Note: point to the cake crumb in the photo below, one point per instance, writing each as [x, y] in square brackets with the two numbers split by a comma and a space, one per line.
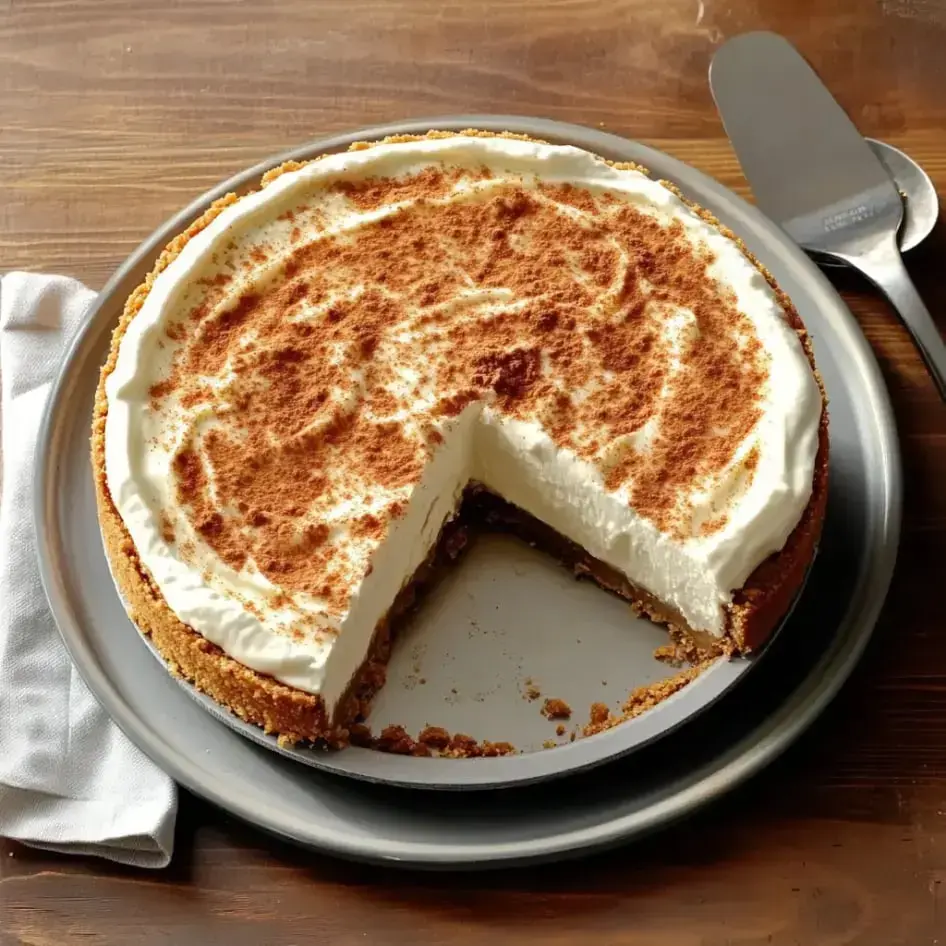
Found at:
[549, 744]
[599, 714]
[396, 740]
[560, 729]
[490, 749]
[554, 708]
[434, 736]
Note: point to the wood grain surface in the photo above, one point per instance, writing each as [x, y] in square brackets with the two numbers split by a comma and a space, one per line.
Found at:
[114, 114]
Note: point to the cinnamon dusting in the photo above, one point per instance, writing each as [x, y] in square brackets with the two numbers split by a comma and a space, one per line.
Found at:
[513, 298]
[555, 708]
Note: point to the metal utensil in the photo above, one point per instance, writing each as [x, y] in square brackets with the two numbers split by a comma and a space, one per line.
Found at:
[813, 173]
[920, 201]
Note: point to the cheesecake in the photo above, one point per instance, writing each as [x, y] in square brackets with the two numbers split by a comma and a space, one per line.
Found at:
[323, 381]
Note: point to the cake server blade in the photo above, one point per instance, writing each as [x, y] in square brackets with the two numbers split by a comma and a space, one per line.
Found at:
[813, 173]
[809, 167]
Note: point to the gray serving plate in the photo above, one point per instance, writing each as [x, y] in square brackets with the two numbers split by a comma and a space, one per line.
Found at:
[663, 779]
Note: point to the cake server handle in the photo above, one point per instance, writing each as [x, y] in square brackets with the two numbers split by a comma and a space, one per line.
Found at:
[883, 266]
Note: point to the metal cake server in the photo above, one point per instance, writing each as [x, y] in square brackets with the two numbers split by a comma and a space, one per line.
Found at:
[813, 173]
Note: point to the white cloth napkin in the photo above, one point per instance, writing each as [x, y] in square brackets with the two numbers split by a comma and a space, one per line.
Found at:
[69, 779]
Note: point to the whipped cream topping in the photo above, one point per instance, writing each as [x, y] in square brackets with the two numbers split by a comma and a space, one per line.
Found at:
[309, 386]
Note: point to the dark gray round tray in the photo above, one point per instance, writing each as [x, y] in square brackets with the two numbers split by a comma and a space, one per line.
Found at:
[726, 741]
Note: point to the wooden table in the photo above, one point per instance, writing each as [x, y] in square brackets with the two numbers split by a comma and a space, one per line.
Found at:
[113, 114]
